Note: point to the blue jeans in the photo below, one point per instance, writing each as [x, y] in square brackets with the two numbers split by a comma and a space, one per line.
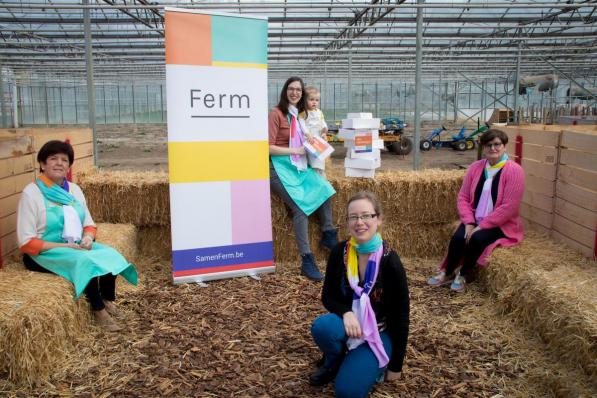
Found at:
[359, 369]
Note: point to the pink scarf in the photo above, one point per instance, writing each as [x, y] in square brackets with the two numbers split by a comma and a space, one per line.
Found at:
[361, 304]
[296, 139]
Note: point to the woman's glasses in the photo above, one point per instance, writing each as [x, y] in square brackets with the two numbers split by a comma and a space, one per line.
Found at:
[495, 145]
[365, 217]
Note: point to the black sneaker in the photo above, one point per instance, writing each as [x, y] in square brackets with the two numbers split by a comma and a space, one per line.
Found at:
[309, 267]
[329, 239]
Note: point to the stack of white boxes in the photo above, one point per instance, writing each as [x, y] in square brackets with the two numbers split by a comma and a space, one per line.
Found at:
[361, 162]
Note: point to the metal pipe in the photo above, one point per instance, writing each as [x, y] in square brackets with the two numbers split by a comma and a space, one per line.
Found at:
[3, 111]
[247, 7]
[349, 88]
[15, 106]
[419, 61]
[517, 84]
[90, 82]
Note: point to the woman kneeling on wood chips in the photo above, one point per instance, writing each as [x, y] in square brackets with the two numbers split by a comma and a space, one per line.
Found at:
[365, 289]
[56, 234]
[488, 204]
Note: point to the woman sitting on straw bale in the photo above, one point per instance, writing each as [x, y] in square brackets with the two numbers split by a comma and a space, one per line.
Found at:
[293, 180]
[488, 204]
[366, 292]
[56, 234]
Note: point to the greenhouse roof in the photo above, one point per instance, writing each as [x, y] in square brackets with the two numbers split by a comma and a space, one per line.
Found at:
[45, 39]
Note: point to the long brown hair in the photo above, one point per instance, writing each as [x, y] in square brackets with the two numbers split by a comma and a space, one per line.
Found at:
[283, 103]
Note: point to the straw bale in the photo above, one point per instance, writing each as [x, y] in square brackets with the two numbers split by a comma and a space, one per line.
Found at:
[127, 197]
[553, 291]
[155, 241]
[142, 199]
[122, 237]
[39, 323]
[427, 196]
[419, 208]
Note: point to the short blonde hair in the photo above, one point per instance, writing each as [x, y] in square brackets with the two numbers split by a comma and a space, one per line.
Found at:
[311, 90]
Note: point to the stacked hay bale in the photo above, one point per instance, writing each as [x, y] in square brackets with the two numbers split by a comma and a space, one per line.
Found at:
[141, 199]
[552, 291]
[40, 323]
[419, 209]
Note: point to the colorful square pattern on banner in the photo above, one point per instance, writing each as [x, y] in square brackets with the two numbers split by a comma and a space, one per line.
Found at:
[216, 75]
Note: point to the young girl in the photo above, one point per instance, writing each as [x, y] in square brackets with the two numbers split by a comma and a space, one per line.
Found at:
[314, 124]
[366, 292]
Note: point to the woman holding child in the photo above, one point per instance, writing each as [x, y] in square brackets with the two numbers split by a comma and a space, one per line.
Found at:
[365, 290]
[488, 205]
[56, 234]
[293, 180]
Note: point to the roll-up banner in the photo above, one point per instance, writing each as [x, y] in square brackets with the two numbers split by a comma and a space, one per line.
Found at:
[216, 77]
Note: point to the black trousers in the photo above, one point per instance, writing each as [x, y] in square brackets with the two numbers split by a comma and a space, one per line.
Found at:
[97, 290]
[469, 252]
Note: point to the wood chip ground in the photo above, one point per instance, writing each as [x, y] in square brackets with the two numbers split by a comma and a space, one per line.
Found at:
[247, 338]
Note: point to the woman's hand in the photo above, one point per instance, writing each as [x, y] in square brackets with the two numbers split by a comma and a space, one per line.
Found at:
[70, 246]
[351, 325]
[298, 151]
[86, 242]
[391, 376]
[309, 138]
[467, 235]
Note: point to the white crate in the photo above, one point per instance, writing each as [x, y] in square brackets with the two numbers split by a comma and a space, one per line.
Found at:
[364, 115]
[362, 163]
[360, 123]
[350, 172]
[348, 134]
[374, 154]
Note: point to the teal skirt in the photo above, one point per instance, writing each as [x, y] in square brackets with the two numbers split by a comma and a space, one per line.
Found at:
[80, 266]
[307, 188]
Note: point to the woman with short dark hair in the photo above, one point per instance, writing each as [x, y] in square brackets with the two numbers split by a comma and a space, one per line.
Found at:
[56, 234]
[293, 180]
[488, 205]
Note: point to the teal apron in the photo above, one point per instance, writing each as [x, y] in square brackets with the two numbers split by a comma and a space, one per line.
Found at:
[307, 188]
[79, 266]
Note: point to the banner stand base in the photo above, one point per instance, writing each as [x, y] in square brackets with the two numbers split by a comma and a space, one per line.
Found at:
[201, 279]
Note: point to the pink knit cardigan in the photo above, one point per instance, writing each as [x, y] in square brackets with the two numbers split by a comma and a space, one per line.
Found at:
[505, 211]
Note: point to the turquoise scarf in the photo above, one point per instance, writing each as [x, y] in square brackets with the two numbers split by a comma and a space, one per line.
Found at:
[55, 193]
[370, 246]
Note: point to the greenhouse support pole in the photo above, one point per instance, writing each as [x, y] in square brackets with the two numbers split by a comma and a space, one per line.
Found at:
[3, 111]
[517, 84]
[90, 80]
[349, 89]
[419, 61]
[439, 97]
[482, 99]
[15, 106]
[47, 107]
[455, 102]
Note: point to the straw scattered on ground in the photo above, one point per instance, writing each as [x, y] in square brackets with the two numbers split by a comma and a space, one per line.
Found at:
[242, 337]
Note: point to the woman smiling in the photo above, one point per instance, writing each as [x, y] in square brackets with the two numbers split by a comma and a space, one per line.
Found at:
[56, 234]
[488, 205]
[364, 336]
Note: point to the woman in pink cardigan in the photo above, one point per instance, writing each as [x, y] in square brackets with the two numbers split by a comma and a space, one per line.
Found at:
[488, 204]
